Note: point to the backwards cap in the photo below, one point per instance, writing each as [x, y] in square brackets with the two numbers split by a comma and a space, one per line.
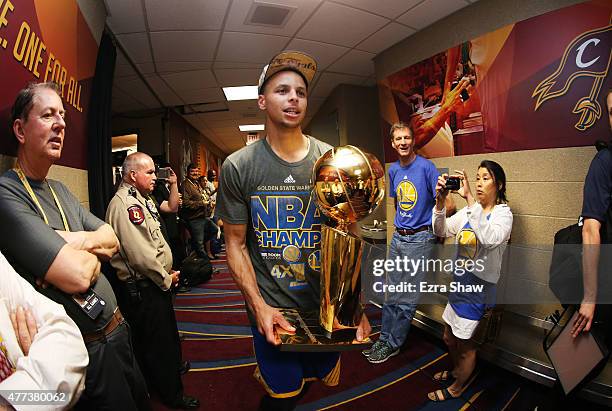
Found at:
[289, 60]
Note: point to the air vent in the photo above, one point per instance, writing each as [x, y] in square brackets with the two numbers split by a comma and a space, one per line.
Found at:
[269, 15]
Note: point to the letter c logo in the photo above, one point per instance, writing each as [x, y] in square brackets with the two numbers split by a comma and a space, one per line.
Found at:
[580, 51]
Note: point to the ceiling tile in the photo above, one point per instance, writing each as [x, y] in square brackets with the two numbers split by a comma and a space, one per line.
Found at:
[237, 65]
[174, 66]
[125, 16]
[385, 38]
[355, 62]
[214, 123]
[137, 46]
[370, 81]
[429, 12]
[123, 102]
[324, 54]
[146, 68]
[237, 77]
[387, 8]
[167, 95]
[210, 108]
[139, 91]
[219, 115]
[203, 95]
[189, 15]
[253, 48]
[184, 45]
[329, 81]
[124, 70]
[240, 10]
[188, 80]
[325, 25]
[239, 108]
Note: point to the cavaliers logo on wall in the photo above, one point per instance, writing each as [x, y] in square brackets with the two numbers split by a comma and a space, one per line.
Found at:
[588, 55]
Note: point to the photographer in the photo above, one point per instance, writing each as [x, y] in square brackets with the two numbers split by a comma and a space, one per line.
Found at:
[167, 196]
[481, 231]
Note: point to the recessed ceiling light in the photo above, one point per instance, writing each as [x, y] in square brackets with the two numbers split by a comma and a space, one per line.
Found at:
[251, 127]
[241, 93]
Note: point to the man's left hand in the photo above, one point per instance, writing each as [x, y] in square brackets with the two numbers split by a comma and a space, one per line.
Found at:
[364, 329]
[584, 319]
[25, 328]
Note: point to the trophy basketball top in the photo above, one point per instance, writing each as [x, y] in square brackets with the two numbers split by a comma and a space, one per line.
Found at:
[348, 184]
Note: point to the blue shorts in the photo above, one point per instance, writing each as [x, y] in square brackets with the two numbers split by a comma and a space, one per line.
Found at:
[283, 374]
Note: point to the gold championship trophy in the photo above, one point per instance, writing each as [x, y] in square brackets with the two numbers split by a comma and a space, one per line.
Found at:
[348, 185]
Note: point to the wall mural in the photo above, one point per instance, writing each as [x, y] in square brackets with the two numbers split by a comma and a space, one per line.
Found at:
[539, 83]
[43, 40]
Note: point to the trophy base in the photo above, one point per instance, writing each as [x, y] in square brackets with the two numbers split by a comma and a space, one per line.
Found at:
[309, 336]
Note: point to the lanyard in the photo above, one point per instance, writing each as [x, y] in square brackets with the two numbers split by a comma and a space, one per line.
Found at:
[28, 188]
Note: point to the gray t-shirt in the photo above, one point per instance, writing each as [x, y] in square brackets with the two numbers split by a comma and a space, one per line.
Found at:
[273, 198]
[31, 246]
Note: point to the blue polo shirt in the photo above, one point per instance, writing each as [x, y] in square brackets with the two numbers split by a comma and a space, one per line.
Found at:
[414, 188]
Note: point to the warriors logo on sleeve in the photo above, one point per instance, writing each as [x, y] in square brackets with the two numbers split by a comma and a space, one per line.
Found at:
[136, 214]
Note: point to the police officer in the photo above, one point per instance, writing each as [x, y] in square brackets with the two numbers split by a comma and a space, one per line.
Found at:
[144, 265]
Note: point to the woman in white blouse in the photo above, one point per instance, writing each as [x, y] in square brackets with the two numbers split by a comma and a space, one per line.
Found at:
[481, 231]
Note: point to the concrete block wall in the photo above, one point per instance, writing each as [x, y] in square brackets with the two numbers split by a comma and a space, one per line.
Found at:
[544, 189]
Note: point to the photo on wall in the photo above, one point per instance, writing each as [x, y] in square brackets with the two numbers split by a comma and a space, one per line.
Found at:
[538, 83]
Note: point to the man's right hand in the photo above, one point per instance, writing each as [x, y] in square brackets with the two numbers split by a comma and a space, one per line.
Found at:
[267, 318]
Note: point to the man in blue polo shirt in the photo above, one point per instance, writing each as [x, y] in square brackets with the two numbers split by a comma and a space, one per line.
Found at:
[412, 180]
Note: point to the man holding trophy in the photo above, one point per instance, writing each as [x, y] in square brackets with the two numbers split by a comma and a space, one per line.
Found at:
[273, 232]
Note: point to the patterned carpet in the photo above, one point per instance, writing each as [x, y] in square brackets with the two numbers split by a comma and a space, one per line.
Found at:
[219, 345]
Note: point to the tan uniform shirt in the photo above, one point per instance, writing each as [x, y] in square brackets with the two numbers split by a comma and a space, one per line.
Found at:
[135, 220]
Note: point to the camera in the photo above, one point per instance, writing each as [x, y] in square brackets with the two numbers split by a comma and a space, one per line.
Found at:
[464, 94]
[453, 183]
[164, 173]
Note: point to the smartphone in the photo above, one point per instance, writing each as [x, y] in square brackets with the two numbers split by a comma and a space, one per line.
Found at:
[164, 173]
[453, 183]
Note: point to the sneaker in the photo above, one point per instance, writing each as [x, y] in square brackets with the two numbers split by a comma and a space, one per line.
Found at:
[372, 348]
[382, 354]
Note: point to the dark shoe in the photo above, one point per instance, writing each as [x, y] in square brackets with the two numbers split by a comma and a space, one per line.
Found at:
[185, 367]
[374, 347]
[187, 403]
[382, 354]
[183, 289]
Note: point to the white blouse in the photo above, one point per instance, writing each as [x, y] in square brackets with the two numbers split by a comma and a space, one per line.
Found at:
[492, 234]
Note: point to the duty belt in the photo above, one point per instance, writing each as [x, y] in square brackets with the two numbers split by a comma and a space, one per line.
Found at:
[101, 334]
[403, 231]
